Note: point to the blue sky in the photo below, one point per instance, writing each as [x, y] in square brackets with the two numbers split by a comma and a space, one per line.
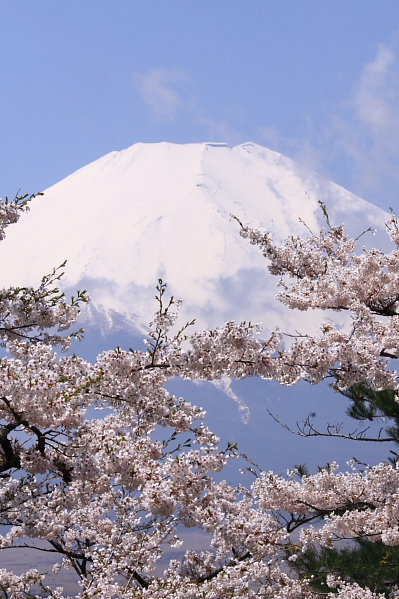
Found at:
[315, 79]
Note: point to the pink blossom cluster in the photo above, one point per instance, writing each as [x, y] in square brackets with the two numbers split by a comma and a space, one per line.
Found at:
[324, 271]
[354, 503]
[11, 211]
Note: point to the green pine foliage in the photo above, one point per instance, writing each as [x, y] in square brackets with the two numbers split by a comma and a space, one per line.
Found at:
[368, 404]
[371, 565]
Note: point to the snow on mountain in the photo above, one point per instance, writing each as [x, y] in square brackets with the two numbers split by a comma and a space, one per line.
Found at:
[163, 210]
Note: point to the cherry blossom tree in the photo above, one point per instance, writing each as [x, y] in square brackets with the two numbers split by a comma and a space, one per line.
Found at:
[328, 274]
[105, 497]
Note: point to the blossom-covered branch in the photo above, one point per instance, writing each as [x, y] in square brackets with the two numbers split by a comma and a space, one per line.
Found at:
[324, 271]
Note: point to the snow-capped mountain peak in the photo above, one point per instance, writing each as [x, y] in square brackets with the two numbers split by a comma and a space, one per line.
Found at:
[163, 211]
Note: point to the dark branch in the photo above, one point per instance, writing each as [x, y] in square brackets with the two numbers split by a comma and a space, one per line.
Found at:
[307, 430]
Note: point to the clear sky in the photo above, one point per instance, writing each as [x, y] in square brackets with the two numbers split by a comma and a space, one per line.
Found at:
[315, 79]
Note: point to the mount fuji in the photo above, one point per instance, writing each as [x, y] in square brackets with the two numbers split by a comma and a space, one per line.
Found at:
[163, 211]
